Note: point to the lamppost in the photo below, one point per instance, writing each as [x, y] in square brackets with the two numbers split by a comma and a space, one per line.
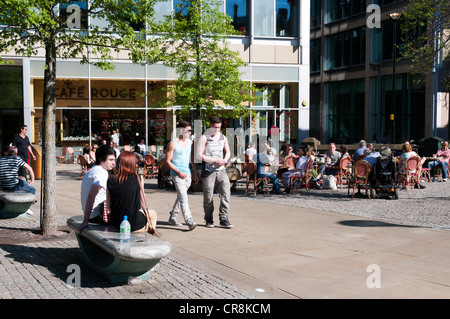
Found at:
[394, 17]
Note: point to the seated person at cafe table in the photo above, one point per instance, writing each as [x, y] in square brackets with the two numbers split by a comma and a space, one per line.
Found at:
[370, 155]
[300, 167]
[287, 159]
[442, 156]
[360, 151]
[344, 151]
[262, 160]
[408, 153]
[332, 158]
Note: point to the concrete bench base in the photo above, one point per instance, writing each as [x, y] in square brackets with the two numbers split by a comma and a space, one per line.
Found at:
[116, 261]
[15, 204]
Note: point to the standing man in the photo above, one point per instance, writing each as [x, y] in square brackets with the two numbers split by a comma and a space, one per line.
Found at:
[93, 186]
[178, 156]
[214, 152]
[23, 145]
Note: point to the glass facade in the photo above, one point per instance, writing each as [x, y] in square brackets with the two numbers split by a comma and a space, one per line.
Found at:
[239, 11]
[283, 24]
[316, 8]
[382, 41]
[340, 9]
[383, 2]
[409, 113]
[314, 51]
[286, 18]
[345, 49]
[279, 108]
[344, 111]
[93, 109]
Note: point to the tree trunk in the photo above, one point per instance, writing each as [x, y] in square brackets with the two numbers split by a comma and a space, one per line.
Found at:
[48, 223]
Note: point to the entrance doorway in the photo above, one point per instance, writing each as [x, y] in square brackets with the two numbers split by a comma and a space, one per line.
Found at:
[10, 120]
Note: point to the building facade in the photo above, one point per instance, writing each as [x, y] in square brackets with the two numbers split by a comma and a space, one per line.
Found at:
[91, 103]
[352, 73]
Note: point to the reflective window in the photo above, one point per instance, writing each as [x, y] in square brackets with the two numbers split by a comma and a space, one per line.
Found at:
[315, 13]
[315, 55]
[287, 18]
[239, 11]
[131, 125]
[345, 49]
[263, 12]
[340, 9]
[345, 111]
[162, 8]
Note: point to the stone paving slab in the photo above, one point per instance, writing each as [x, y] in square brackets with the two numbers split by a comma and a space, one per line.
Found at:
[42, 270]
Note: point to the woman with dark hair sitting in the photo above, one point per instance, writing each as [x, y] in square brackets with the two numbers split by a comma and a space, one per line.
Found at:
[125, 196]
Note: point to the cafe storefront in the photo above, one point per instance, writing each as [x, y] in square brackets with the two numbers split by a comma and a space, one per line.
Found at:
[91, 108]
[88, 111]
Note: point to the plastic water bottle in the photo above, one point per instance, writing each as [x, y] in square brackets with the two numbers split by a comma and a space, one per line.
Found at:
[125, 230]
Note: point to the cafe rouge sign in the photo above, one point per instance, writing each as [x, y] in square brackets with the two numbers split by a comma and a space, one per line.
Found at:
[102, 93]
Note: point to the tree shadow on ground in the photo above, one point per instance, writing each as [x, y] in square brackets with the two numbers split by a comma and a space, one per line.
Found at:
[57, 261]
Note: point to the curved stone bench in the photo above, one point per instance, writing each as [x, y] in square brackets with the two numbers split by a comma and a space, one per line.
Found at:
[116, 261]
[15, 204]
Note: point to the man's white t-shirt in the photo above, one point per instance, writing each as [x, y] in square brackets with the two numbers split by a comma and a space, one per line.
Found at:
[97, 175]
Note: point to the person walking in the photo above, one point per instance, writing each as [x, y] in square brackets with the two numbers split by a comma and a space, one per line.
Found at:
[178, 156]
[213, 151]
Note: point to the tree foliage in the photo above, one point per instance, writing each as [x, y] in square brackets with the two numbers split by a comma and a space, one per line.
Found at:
[31, 25]
[426, 33]
[194, 43]
[60, 29]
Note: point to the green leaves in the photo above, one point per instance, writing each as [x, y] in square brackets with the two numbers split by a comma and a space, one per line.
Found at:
[194, 43]
[423, 30]
[115, 25]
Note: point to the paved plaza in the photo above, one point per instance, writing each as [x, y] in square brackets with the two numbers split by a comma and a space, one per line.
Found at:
[317, 245]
